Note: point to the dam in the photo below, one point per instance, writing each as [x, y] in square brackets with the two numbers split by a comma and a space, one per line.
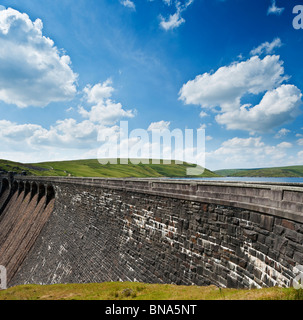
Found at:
[186, 232]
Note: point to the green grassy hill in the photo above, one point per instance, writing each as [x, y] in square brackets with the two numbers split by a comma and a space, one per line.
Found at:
[92, 168]
[291, 171]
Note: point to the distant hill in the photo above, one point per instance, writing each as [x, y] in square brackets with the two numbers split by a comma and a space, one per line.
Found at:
[92, 168]
[291, 171]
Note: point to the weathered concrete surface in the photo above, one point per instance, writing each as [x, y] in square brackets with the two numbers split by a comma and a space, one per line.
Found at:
[167, 231]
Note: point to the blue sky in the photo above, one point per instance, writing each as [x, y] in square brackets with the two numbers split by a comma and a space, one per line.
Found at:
[70, 69]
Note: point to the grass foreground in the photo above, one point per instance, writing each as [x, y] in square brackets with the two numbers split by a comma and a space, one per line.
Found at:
[141, 291]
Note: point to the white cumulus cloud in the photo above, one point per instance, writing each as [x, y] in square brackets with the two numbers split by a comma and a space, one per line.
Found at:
[33, 72]
[284, 145]
[104, 111]
[274, 9]
[99, 92]
[128, 3]
[203, 114]
[300, 142]
[161, 125]
[229, 84]
[65, 138]
[276, 107]
[175, 20]
[246, 153]
[282, 133]
[267, 47]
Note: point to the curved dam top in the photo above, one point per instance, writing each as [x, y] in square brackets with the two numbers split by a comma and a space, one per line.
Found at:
[281, 199]
[231, 234]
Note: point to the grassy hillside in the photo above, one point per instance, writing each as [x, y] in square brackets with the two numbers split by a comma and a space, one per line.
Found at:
[141, 291]
[229, 172]
[92, 168]
[292, 171]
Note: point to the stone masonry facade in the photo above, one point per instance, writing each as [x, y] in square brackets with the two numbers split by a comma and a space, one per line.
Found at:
[98, 234]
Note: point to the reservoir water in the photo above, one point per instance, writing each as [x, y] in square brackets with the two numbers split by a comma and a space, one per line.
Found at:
[250, 179]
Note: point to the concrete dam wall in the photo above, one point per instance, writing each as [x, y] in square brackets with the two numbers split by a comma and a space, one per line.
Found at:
[80, 230]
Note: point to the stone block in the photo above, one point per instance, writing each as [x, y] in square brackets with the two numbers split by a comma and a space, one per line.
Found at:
[291, 235]
[255, 217]
[267, 222]
[298, 257]
[288, 224]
